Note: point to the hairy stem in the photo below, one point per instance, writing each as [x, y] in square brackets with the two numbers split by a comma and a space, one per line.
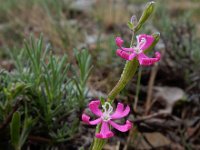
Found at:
[127, 74]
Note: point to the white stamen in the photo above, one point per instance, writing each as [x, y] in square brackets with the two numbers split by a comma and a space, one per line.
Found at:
[143, 40]
[137, 48]
[107, 110]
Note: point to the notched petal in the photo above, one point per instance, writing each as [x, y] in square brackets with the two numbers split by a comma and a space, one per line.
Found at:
[122, 128]
[105, 131]
[146, 61]
[94, 107]
[144, 41]
[125, 55]
[86, 119]
[120, 111]
[104, 136]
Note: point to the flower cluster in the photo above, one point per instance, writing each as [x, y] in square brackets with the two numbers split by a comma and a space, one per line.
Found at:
[143, 43]
[106, 118]
[106, 115]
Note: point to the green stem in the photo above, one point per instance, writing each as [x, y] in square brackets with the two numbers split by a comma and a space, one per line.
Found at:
[98, 144]
[127, 74]
[17, 147]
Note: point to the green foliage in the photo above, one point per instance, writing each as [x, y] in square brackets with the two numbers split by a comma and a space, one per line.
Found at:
[186, 51]
[181, 45]
[84, 63]
[42, 94]
[15, 129]
[4, 79]
[26, 128]
[18, 139]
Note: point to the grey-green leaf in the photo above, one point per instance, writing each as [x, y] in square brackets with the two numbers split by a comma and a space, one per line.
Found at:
[15, 129]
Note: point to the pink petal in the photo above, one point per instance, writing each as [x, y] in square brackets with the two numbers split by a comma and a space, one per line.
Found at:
[157, 54]
[128, 49]
[120, 111]
[105, 131]
[125, 55]
[146, 61]
[86, 119]
[122, 128]
[148, 41]
[119, 42]
[94, 107]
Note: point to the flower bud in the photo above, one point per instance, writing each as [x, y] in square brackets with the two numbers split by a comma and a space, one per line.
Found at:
[133, 22]
[145, 15]
[133, 19]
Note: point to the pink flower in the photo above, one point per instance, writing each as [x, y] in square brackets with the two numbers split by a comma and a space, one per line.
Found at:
[106, 118]
[143, 42]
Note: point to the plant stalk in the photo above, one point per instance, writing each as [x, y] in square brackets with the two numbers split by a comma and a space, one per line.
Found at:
[137, 88]
[127, 74]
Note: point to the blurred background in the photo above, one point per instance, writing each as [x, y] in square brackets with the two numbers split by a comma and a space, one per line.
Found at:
[170, 87]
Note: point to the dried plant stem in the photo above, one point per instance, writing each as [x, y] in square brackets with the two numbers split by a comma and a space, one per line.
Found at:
[150, 88]
[137, 88]
[39, 139]
[130, 138]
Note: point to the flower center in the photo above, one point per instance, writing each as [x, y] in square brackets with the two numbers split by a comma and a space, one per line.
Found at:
[107, 110]
[140, 44]
[137, 50]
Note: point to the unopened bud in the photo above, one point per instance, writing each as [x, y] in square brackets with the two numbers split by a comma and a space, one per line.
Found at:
[145, 15]
[133, 22]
